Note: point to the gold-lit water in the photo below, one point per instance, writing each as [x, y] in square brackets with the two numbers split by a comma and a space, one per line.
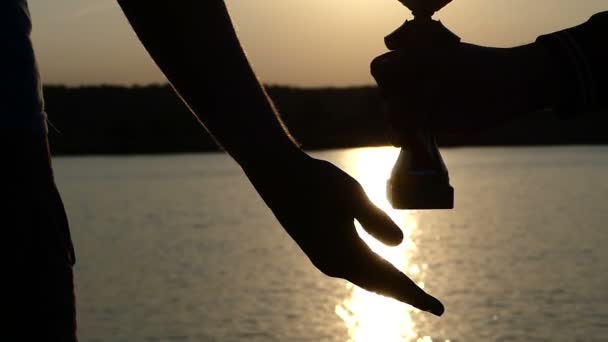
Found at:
[181, 247]
[368, 316]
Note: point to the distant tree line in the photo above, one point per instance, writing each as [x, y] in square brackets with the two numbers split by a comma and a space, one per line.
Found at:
[152, 119]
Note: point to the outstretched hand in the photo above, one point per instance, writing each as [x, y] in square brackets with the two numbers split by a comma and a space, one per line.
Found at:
[317, 204]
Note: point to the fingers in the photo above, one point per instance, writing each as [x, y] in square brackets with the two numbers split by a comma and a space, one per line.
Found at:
[375, 274]
[378, 224]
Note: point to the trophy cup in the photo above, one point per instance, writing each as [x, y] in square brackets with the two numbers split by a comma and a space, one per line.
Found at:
[419, 179]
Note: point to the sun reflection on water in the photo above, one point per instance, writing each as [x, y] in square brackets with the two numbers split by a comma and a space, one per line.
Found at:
[367, 316]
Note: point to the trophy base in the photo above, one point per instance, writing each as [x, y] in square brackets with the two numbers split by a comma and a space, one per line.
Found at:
[420, 192]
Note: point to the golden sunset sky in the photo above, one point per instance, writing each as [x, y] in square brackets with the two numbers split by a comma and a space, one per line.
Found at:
[293, 42]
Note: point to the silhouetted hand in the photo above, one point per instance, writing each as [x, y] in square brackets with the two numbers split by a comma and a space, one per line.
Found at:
[463, 87]
[317, 204]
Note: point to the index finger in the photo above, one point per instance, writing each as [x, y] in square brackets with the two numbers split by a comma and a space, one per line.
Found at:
[375, 274]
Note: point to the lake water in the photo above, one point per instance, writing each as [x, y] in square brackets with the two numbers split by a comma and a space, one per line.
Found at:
[180, 248]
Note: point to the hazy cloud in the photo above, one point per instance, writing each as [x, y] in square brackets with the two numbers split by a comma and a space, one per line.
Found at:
[96, 9]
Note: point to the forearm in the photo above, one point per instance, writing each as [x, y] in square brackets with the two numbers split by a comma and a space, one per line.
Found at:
[577, 57]
[564, 71]
[194, 44]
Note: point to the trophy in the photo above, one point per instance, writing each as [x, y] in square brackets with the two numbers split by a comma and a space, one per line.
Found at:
[419, 179]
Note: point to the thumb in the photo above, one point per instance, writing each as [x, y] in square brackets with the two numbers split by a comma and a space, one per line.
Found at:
[378, 224]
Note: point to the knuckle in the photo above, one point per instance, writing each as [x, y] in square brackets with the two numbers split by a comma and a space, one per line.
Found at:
[381, 66]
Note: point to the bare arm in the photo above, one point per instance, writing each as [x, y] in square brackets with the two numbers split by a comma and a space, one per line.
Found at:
[195, 45]
[469, 86]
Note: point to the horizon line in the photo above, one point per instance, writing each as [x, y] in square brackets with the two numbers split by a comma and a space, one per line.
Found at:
[167, 84]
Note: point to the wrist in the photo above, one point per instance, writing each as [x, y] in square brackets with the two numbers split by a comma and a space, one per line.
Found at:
[273, 158]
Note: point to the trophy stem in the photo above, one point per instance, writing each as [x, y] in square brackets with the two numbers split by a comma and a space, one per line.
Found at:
[420, 178]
